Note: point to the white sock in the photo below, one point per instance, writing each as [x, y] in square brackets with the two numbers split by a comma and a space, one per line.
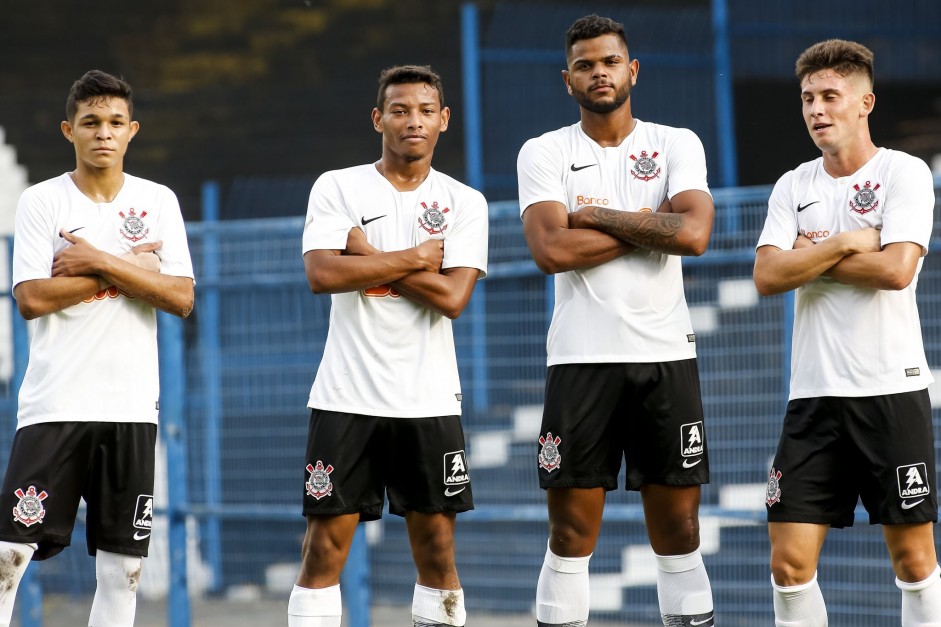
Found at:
[115, 602]
[683, 590]
[437, 607]
[799, 606]
[562, 591]
[921, 601]
[315, 607]
[14, 558]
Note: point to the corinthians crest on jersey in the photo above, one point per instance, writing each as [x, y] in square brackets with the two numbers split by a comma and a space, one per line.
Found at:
[865, 199]
[434, 219]
[133, 228]
[29, 509]
[319, 484]
[645, 166]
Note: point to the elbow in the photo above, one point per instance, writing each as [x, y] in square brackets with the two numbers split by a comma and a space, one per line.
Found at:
[453, 312]
[548, 263]
[899, 281]
[317, 283]
[697, 243]
[764, 286]
[26, 311]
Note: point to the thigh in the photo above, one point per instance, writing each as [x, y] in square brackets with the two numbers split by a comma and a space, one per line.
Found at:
[665, 439]
[426, 466]
[120, 488]
[895, 441]
[341, 472]
[812, 477]
[43, 485]
[579, 441]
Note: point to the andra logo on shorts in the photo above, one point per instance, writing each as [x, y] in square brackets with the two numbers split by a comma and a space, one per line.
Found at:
[691, 443]
[143, 516]
[455, 472]
[913, 484]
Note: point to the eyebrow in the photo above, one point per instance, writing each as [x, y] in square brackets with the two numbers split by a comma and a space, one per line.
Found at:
[95, 116]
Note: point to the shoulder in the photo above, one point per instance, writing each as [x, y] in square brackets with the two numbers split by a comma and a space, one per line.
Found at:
[899, 161]
[551, 141]
[49, 188]
[458, 190]
[145, 187]
[356, 173]
[668, 134]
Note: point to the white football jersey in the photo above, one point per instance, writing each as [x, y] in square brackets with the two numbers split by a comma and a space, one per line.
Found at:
[855, 341]
[630, 309]
[386, 355]
[97, 360]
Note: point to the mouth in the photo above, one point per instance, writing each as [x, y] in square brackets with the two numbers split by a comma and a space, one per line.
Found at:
[601, 86]
[819, 126]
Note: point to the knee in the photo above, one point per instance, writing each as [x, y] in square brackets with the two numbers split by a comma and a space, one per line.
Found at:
[677, 535]
[434, 550]
[914, 564]
[569, 539]
[788, 569]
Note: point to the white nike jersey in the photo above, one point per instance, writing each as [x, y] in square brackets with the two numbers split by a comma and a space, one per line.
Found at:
[97, 360]
[854, 341]
[385, 354]
[630, 309]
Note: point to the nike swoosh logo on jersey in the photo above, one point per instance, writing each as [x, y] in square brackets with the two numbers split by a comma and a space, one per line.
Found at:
[141, 536]
[799, 208]
[447, 491]
[365, 221]
[576, 168]
[686, 463]
[907, 505]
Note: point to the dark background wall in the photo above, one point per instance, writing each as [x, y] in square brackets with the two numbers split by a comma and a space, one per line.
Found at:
[226, 89]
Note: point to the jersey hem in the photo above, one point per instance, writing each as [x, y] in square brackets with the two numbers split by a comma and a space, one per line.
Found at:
[383, 413]
[857, 393]
[618, 359]
[28, 422]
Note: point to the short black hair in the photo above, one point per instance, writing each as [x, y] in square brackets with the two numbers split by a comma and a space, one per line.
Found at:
[843, 57]
[401, 74]
[97, 85]
[592, 26]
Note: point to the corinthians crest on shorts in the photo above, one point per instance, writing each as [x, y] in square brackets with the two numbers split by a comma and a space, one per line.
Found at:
[29, 509]
[865, 199]
[549, 456]
[133, 227]
[434, 219]
[645, 167]
[319, 484]
[773, 494]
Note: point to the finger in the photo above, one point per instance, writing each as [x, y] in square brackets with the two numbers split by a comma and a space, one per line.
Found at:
[68, 236]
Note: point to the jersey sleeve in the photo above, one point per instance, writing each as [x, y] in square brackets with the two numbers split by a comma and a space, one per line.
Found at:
[539, 174]
[174, 254]
[686, 164]
[34, 239]
[781, 228]
[908, 215]
[328, 222]
[465, 246]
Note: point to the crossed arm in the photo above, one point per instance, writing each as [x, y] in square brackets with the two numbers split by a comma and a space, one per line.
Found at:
[593, 235]
[414, 272]
[80, 271]
[852, 257]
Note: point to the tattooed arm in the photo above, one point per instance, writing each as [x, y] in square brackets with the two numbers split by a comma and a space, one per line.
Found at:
[680, 226]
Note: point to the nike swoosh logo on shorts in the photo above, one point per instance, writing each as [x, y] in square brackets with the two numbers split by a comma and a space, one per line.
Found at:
[141, 536]
[907, 505]
[686, 463]
[702, 622]
[447, 491]
[365, 221]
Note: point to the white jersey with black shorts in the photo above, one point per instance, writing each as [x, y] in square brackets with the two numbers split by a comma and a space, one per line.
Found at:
[88, 403]
[622, 323]
[387, 360]
[859, 375]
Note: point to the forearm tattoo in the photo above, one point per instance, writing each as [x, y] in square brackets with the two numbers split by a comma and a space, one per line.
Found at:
[652, 231]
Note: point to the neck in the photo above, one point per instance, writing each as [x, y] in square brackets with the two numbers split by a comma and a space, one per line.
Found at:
[844, 162]
[609, 129]
[98, 185]
[404, 175]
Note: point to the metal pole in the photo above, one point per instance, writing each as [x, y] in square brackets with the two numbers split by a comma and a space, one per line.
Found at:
[172, 390]
[470, 61]
[211, 372]
[725, 100]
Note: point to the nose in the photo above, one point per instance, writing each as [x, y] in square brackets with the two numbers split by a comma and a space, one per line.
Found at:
[816, 107]
[103, 131]
[414, 119]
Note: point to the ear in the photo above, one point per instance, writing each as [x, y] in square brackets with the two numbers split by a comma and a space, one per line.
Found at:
[566, 78]
[376, 119]
[868, 104]
[445, 116]
[134, 126]
[634, 68]
[66, 129]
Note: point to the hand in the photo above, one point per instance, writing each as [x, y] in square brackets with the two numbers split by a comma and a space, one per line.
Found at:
[581, 219]
[144, 256]
[358, 245]
[431, 254]
[868, 240]
[665, 207]
[79, 259]
[803, 241]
